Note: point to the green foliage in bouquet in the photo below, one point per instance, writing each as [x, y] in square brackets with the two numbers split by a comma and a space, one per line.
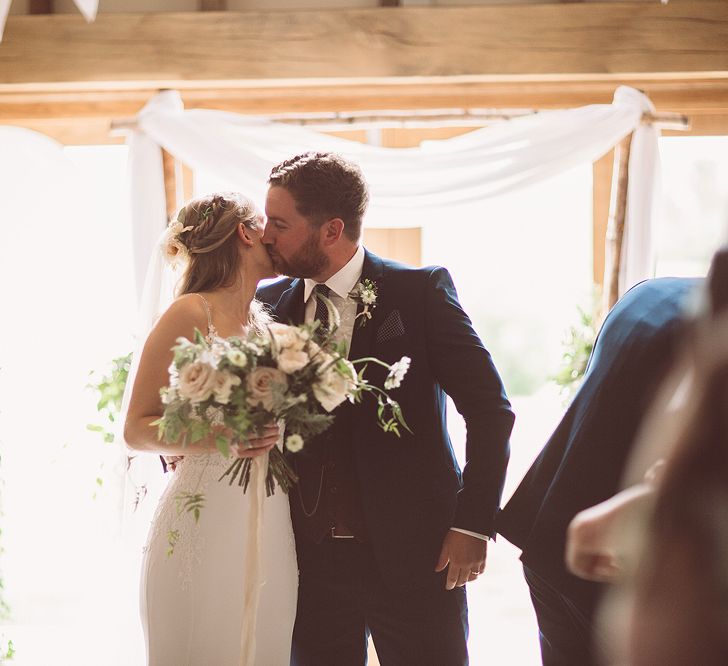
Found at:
[578, 345]
[232, 388]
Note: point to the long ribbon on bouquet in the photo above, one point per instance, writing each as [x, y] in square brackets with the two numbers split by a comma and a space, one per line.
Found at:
[253, 582]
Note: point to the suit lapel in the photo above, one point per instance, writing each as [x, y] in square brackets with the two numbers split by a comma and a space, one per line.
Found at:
[291, 307]
[362, 340]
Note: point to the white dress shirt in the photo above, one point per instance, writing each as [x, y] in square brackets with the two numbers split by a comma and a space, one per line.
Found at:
[341, 284]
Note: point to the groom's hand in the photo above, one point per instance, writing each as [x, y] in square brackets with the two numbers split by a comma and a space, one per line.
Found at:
[465, 556]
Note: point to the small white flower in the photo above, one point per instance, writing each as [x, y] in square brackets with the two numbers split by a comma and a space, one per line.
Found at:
[397, 371]
[209, 357]
[368, 297]
[294, 443]
[237, 358]
[173, 376]
[169, 395]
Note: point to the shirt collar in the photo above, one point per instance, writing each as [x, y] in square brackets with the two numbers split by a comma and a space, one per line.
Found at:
[343, 281]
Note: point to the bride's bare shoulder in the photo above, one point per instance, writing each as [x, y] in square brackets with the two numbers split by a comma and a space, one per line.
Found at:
[186, 312]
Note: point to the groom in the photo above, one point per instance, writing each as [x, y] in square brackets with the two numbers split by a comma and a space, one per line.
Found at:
[388, 530]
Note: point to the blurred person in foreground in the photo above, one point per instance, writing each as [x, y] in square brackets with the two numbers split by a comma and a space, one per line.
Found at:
[665, 537]
[583, 462]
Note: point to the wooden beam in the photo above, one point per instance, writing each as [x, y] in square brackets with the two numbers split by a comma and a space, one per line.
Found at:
[40, 7]
[705, 101]
[603, 40]
[213, 5]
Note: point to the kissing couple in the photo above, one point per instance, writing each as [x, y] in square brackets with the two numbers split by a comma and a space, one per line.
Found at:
[380, 535]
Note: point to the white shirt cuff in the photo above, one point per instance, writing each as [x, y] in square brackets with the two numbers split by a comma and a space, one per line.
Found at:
[484, 537]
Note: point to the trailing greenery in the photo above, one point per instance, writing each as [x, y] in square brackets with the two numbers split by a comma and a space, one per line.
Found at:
[7, 650]
[578, 346]
[109, 389]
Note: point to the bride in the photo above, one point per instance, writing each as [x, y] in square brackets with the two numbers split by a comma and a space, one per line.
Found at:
[222, 590]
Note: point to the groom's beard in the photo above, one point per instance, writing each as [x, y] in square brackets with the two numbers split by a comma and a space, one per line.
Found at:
[308, 261]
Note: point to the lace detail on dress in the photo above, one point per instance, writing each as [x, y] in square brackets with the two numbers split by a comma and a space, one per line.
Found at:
[193, 475]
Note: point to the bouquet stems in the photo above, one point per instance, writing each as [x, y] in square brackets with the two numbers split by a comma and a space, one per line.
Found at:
[278, 471]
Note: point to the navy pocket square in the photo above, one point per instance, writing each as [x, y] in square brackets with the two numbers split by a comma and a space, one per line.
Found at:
[392, 327]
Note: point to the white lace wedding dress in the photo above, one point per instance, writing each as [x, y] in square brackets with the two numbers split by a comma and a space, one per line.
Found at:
[227, 594]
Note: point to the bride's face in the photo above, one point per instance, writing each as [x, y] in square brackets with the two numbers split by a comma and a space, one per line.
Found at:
[259, 254]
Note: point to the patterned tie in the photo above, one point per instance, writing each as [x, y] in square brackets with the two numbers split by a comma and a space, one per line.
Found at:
[322, 312]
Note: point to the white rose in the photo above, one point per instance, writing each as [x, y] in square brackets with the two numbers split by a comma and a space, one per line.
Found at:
[196, 382]
[260, 385]
[313, 350]
[287, 337]
[224, 382]
[290, 360]
[294, 443]
[237, 358]
[333, 386]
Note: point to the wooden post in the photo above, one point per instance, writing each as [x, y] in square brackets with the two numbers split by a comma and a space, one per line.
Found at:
[172, 183]
[40, 7]
[615, 226]
[602, 170]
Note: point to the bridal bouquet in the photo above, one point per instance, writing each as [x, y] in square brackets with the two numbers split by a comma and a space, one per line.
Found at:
[231, 388]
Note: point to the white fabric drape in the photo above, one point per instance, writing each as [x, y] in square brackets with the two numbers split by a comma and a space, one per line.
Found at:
[88, 8]
[434, 176]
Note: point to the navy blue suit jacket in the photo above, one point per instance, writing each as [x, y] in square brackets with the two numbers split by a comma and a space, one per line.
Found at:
[583, 461]
[411, 488]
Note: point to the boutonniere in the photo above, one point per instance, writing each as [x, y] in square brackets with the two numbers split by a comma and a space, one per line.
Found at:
[365, 292]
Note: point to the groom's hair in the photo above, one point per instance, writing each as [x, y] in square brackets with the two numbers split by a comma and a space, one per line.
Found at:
[325, 186]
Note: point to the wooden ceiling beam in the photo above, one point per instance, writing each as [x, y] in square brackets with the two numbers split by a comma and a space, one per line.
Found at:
[605, 41]
[694, 97]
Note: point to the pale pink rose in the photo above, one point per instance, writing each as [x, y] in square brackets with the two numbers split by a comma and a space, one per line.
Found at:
[196, 382]
[290, 360]
[334, 387]
[260, 385]
[224, 382]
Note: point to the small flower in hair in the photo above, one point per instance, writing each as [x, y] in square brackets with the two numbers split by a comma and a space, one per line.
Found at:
[208, 211]
[175, 251]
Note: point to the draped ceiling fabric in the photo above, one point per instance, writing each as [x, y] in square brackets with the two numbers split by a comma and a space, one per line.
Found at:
[437, 175]
[88, 8]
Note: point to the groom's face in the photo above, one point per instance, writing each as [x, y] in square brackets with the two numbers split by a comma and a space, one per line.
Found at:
[293, 242]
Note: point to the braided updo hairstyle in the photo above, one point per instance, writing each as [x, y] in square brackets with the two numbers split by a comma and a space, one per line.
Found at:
[209, 225]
